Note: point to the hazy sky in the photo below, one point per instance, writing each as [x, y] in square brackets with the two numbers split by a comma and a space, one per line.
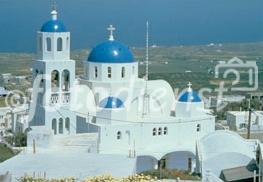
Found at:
[172, 22]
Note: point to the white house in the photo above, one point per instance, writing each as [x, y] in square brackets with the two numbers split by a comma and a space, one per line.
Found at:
[238, 120]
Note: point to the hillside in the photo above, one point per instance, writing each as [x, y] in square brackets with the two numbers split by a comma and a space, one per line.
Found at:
[177, 65]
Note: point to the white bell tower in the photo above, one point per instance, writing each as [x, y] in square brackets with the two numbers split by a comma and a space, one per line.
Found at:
[53, 40]
[54, 73]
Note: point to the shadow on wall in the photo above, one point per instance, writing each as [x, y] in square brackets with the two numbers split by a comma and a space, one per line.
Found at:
[6, 177]
[181, 160]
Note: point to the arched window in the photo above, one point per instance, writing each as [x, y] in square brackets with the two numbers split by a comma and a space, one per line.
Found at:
[118, 135]
[198, 127]
[109, 72]
[54, 81]
[67, 124]
[40, 43]
[96, 72]
[154, 132]
[54, 126]
[59, 44]
[65, 80]
[165, 131]
[48, 44]
[160, 131]
[36, 72]
[60, 126]
[122, 72]
[68, 43]
[42, 79]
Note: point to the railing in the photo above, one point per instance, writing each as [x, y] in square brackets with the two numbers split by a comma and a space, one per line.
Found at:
[65, 98]
[54, 99]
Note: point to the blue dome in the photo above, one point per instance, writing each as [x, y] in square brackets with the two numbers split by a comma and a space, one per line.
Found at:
[189, 96]
[53, 26]
[111, 103]
[111, 52]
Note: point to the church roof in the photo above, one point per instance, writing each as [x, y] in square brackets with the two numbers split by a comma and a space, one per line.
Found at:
[111, 103]
[189, 96]
[111, 51]
[53, 26]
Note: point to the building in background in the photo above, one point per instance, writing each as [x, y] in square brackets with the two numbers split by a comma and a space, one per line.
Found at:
[238, 120]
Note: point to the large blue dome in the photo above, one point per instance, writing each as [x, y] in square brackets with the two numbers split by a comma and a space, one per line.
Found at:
[111, 51]
[53, 26]
[111, 103]
[189, 96]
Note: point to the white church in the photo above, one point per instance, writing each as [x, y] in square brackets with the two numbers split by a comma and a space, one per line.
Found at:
[110, 121]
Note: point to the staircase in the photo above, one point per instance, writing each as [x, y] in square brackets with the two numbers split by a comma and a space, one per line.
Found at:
[87, 142]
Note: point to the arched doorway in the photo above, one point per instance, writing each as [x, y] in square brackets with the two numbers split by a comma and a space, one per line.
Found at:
[181, 160]
[146, 163]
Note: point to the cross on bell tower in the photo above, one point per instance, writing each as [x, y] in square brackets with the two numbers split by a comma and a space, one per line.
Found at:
[111, 29]
[53, 5]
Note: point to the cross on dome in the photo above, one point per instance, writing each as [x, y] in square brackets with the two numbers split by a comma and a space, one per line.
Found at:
[189, 86]
[111, 29]
[54, 12]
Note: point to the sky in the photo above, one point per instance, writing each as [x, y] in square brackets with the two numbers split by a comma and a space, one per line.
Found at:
[172, 22]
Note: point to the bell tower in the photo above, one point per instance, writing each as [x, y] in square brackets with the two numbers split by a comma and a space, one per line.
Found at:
[54, 74]
[53, 40]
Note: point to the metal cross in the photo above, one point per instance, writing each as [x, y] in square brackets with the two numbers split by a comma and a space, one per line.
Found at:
[111, 29]
[189, 84]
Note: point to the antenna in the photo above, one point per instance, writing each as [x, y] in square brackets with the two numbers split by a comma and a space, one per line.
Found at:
[147, 52]
[146, 95]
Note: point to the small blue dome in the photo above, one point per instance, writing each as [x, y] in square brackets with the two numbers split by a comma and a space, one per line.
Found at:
[53, 26]
[111, 52]
[111, 103]
[189, 96]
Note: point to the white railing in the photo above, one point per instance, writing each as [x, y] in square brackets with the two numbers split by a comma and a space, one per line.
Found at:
[54, 98]
[65, 98]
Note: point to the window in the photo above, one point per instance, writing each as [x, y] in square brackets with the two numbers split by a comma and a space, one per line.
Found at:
[48, 44]
[54, 81]
[67, 124]
[59, 44]
[198, 127]
[54, 126]
[68, 43]
[109, 72]
[65, 80]
[189, 164]
[36, 73]
[160, 131]
[96, 72]
[118, 135]
[122, 72]
[162, 164]
[40, 43]
[133, 70]
[60, 126]
[165, 131]
[154, 132]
